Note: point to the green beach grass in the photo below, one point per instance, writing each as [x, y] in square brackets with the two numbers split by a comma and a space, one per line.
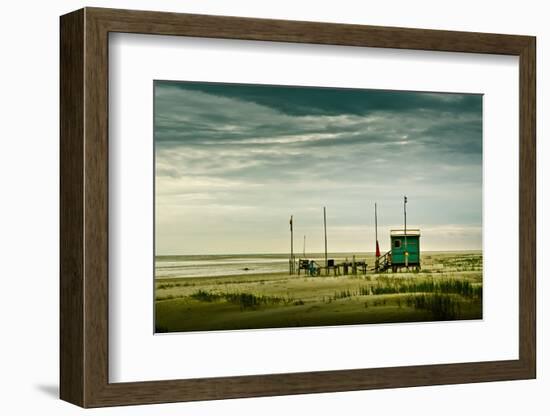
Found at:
[449, 287]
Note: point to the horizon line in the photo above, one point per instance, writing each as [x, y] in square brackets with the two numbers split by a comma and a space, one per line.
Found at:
[311, 253]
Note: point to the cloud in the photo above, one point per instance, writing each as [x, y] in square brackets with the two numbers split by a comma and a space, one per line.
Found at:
[249, 156]
[299, 101]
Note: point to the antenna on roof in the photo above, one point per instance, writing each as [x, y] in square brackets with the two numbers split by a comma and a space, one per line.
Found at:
[376, 235]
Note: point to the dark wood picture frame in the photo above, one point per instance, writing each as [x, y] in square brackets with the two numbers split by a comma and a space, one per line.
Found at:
[84, 207]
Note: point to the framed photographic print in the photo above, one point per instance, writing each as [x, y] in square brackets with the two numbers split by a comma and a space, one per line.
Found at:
[255, 207]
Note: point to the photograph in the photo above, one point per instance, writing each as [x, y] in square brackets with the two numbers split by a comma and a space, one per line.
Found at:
[279, 206]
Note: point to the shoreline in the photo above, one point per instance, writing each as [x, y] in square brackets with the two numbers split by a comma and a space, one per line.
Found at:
[312, 254]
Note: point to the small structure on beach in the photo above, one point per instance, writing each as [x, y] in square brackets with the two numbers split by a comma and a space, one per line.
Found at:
[405, 248]
[404, 252]
[312, 268]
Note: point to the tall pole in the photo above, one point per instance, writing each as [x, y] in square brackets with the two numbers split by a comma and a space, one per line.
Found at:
[375, 223]
[377, 252]
[405, 216]
[325, 222]
[304, 246]
[291, 247]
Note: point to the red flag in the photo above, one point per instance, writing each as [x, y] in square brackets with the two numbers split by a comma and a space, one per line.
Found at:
[377, 249]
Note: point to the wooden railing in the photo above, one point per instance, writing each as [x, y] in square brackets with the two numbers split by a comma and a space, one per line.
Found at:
[383, 262]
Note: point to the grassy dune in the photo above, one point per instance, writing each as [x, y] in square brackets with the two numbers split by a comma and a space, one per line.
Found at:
[449, 287]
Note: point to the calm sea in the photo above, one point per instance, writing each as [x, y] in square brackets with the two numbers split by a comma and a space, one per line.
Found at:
[231, 265]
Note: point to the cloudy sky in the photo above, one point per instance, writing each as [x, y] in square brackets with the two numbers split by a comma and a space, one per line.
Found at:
[234, 161]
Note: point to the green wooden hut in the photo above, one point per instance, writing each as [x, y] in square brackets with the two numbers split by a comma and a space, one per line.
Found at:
[405, 249]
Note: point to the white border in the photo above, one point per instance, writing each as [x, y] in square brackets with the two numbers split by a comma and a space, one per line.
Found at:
[135, 354]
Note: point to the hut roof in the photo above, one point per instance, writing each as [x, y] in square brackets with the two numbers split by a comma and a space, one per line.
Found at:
[401, 233]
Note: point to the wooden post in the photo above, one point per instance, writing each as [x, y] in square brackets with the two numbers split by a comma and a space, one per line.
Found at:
[346, 265]
[325, 222]
[291, 247]
[376, 262]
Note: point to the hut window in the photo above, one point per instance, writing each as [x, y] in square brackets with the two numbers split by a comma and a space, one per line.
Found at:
[397, 243]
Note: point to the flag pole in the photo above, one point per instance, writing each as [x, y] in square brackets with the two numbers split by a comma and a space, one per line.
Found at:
[291, 247]
[405, 217]
[376, 227]
[377, 253]
[325, 222]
